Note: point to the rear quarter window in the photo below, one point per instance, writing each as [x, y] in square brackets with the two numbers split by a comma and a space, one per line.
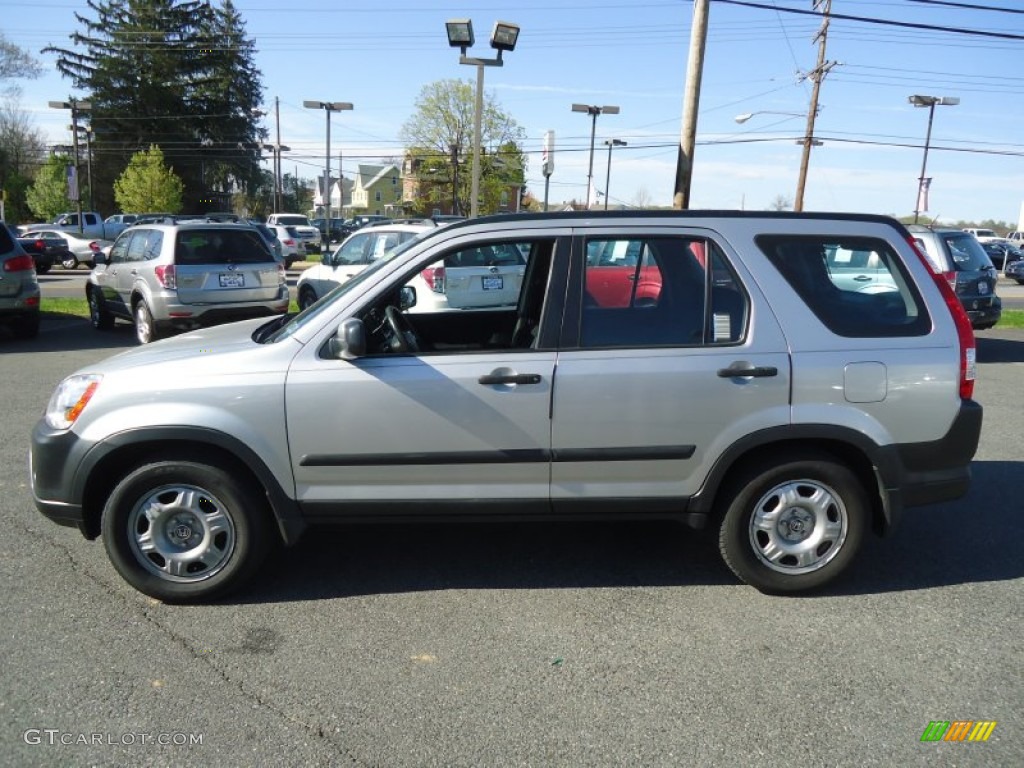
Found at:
[858, 287]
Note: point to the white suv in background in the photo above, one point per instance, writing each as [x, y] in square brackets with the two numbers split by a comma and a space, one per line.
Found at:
[356, 253]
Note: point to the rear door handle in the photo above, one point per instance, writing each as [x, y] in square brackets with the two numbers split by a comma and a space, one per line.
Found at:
[510, 378]
[743, 370]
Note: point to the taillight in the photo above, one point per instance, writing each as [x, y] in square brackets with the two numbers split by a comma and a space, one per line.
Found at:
[41, 244]
[290, 243]
[166, 277]
[19, 264]
[964, 331]
[94, 247]
[435, 278]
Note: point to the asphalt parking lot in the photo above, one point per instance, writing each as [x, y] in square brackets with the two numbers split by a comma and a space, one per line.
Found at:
[504, 645]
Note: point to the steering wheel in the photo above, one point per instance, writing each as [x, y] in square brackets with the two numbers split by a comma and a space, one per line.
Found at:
[405, 339]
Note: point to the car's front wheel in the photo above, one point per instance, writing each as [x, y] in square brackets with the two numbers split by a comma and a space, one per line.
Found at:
[307, 297]
[183, 531]
[793, 522]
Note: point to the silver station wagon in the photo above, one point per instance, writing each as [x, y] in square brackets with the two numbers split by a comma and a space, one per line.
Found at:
[707, 367]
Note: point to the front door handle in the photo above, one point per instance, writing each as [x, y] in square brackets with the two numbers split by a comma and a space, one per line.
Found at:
[745, 370]
[510, 378]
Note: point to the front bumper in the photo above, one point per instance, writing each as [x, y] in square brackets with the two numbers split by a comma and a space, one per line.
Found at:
[52, 459]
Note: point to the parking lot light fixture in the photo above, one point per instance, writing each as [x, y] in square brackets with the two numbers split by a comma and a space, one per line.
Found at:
[503, 38]
[593, 110]
[928, 101]
[327, 107]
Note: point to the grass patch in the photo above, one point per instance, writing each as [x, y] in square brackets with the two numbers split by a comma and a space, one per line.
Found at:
[80, 307]
[1012, 318]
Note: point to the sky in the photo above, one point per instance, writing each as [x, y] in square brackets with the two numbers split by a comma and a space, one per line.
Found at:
[635, 55]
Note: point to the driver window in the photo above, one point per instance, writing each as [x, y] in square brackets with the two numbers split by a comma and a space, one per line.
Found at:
[352, 251]
[472, 299]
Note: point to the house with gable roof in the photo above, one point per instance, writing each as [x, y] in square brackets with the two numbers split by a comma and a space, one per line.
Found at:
[377, 189]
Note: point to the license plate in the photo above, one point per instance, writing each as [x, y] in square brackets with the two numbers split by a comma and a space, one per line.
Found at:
[494, 283]
[232, 280]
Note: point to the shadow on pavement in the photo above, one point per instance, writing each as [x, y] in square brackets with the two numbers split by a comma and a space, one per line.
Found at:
[968, 541]
[69, 332]
[1000, 346]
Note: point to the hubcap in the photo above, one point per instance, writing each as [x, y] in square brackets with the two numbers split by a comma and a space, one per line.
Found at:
[798, 527]
[143, 324]
[181, 533]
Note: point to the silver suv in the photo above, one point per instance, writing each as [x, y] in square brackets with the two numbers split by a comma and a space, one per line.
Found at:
[186, 275]
[703, 367]
[959, 256]
[19, 287]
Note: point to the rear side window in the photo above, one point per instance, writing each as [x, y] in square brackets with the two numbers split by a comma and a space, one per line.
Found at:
[660, 291]
[857, 286]
[966, 252]
[221, 246]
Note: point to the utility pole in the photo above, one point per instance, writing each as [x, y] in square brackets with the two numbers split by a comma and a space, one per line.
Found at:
[277, 156]
[821, 69]
[691, 100]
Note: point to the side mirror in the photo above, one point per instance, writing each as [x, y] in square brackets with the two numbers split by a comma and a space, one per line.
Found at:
[350, 340]
[99, 257]
[406, 297]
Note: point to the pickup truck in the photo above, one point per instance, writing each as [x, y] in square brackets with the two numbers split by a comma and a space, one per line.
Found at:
[93, 224]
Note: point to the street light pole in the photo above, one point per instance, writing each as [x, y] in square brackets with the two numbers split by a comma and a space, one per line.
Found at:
[75, 106]
[593, 111]
[503, 38]
[930, 102]
[608, 176]
[327, 107]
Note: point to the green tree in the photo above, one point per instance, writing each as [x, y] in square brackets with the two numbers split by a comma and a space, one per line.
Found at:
[48, 194]
[439, 145]
[175, 73]
[147, 184]
[21, 148]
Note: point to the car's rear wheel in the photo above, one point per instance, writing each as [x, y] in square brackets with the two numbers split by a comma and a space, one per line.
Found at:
[794, 522]
[307, 297]
[70, 261]
[43, 267]
[183, 531]
[99, 315]
[145, 328]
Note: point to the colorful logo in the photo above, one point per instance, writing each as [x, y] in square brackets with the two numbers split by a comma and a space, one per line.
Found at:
[958, 730]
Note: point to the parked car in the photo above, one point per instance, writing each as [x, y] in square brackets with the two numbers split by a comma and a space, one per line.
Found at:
[166, 277]
[79, 250]
[473, 278]
[339, 231]
[307, 235]
[1016, 271]
[116, 224]
[360, 221]
[754, 396]
[1016, 238]
[293, 247]
[983, 235]
[1001, 253]
[270, 236]
[358, 251]
[45, 251]
[19, 287]
[960, 258]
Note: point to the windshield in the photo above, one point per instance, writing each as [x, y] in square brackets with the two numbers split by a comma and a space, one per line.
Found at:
[293, 220]
[368, 274]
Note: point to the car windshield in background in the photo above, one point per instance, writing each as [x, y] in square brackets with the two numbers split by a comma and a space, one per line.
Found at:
[967, 253]
[221, 246]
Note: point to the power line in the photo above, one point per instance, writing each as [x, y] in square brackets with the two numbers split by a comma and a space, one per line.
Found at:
[884, 22]
[968, 6]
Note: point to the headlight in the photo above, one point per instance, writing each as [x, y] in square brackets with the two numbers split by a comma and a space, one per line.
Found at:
[70, 398]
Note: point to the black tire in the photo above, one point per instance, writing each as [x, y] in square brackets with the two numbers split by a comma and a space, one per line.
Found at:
[145, 328]
[69, 261]
[1019, 281]
[307, 297]
[99, 315]
[26, 326]
[43, 267]
[182, 531]
[823, 518]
